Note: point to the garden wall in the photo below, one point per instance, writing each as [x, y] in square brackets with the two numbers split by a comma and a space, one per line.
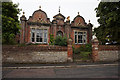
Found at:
[105, 52]
[34, 54]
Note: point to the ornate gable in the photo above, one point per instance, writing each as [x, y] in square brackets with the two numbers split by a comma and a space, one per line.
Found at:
[78, 21]
[39, 16]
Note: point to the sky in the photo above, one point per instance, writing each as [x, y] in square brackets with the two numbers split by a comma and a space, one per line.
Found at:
[86, 8]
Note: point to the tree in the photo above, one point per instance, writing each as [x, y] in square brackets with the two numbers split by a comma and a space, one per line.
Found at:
[109, 20]
[10, 22]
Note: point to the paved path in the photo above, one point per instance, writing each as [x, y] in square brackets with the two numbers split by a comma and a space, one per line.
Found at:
[103, 71]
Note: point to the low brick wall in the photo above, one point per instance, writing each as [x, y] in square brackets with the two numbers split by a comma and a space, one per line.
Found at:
[34, 54]
[105, 52]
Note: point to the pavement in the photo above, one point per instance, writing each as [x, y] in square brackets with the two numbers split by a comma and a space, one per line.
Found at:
[58, 65]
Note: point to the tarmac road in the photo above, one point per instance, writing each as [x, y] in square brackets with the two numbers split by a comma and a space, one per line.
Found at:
[98, 71]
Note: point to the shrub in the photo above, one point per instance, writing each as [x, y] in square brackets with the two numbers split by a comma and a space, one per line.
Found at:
[88, 47]
[76, 50]
[61, 41]
[83, 48]
[51, 39]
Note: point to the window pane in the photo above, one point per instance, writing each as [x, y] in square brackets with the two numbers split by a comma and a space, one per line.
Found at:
[84, 33]
[45, 40]
[45, 36]
[80, 33]
[79, 41]
[79, 38]
[84, 38]
[40, 39]
[32, 30]
[33, 39]
[75, 38]
[32, 34]
[75, 33]
[38, 35]
[41, 35]
[40, 31]
[37, 40]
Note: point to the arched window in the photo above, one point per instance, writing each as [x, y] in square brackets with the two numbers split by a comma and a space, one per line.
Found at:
[59, 33]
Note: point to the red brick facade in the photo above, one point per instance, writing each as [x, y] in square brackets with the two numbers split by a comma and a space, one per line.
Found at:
[58, 26]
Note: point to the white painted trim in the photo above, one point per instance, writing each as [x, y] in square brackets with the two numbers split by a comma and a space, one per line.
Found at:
[42, 28]
[77, 36]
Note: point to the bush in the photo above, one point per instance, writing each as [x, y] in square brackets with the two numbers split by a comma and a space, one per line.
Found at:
[83, 52]
[61, 41]
[83, 48]
[51, 39]
[76, 50]
[88, 47]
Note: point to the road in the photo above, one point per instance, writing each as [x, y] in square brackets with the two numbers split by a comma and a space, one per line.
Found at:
[74, 72]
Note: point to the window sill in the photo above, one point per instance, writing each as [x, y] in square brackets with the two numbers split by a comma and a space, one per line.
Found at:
[39, 43]
[79, 43]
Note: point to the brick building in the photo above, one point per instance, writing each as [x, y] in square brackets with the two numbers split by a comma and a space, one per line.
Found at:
[38, 27]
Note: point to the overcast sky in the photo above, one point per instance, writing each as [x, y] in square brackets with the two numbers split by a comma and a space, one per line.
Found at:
[67, 8]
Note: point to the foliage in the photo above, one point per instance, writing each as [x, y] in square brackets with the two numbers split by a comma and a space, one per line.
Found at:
[83, 48]
[83, 52]
[109, 20]
[10, 22]
[51, 39]
[85, 55]
[61, 41]
[86, 48]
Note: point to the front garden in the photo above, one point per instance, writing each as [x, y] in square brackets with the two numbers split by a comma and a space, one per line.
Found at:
[83, 53]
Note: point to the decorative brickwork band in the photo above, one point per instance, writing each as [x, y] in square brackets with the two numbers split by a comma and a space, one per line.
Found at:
[95, 44]
[70, 50]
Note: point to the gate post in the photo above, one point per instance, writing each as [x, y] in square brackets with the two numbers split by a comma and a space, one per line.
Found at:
[95, 44]
[70, 50]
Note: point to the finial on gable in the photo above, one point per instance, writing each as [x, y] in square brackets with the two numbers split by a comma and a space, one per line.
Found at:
[89, 21]
[78, 13]
[59, 9]
[40, 7]
[23, 13]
